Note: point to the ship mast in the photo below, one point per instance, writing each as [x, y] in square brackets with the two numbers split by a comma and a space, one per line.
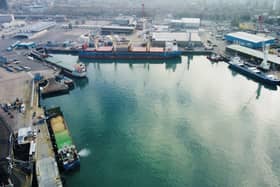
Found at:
[264, 65]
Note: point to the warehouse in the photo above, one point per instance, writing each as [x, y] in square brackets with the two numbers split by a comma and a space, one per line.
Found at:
[38, 27]
[249, 40]
[117, 30]
[124, 21]
[34, 30]
[183, 39]
[185, 23]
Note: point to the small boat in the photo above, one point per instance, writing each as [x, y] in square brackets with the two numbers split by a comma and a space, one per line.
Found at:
[239, 66]
[215, 57]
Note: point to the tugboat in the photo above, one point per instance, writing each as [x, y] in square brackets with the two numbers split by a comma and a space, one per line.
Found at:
[255, 73]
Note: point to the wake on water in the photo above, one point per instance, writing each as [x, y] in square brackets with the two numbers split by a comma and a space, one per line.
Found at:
[84, 152]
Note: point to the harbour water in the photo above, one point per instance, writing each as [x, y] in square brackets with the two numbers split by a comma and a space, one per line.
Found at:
[189, 124]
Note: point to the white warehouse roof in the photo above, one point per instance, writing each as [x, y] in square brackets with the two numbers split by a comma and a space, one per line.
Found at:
[249, 37]
[191, 20]
[37, 27]
[178, 36]
[195, 21]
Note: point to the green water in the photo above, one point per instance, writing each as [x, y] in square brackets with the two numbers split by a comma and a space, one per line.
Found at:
[156, 125]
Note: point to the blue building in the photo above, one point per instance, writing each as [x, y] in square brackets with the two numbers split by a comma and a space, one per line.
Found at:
[27, 45]
[249, 40]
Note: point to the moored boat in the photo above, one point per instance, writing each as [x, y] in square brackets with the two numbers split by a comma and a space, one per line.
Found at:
[66, 152]
[215, 57]
[253, 72]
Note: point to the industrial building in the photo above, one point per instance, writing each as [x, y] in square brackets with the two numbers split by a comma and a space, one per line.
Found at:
[183, 39]
[117, 30]
[185, 23]
[249, 40]
[6, 18]
[3, 5]
[124, 21]
[31, 30]
[37, 27]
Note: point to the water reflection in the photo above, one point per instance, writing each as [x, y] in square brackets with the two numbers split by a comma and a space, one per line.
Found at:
[171, 67]
[169, 61]
[81, 83]
[270, 87]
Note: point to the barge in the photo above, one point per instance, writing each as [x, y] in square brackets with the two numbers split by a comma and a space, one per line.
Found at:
[66, 152]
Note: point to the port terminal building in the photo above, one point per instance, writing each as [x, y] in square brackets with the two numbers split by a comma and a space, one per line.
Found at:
[249, 40]
[183, 39]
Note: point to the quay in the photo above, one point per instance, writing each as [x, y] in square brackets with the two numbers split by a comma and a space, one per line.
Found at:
[196, 52]
[62, 50]
[47, 171]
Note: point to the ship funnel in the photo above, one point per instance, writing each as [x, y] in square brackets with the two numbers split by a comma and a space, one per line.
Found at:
[265, 65]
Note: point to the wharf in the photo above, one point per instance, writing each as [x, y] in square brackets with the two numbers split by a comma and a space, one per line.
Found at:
[54, 88]
[196, 52]
[46, 167]
[62, 50]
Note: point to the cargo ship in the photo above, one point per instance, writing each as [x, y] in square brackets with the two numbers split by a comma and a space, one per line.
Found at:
[66, 152]
[139, 53]
[253, 72]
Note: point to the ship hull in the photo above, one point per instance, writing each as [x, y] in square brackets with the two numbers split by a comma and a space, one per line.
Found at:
[73, 73]
[254, 76]
[130, 55]
[72, 166]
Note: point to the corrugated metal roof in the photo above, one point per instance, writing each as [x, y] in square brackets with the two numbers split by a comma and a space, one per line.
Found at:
[191, 20]
[178, 36]
[187, 21]
[37, 27]
[250, 37]
[117, 27]
[255, 53]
